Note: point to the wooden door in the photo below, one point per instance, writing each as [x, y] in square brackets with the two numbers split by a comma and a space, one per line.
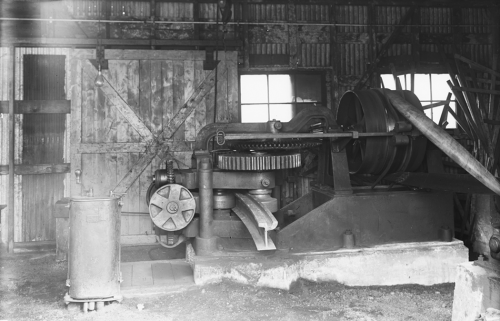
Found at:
[118, 129]
[43, 143]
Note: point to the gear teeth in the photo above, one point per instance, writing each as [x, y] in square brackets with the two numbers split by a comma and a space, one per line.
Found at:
[250, 162]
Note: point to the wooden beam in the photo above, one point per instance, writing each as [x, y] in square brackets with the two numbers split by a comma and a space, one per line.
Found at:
[477, 90]
[91, 42]
[37, 107]
[36, 169]
[373, 66]
[116, 100]
[11, 95]
[441, 103]
[161, 147]
[105, 148]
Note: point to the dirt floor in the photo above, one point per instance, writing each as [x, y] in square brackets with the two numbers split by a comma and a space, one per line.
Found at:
[32, 287]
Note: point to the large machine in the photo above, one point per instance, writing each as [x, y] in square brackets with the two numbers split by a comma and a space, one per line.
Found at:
[229, 200]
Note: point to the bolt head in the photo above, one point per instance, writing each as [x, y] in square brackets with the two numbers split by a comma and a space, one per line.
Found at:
[494, 244]
[172, 207]
[265, 182]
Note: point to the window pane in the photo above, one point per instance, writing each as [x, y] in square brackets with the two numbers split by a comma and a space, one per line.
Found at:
[254, 113]
[440, 88]
[423, 88]
[388, 81]
[308, 88]
[280, 89]
[253, 89]
[282, 112]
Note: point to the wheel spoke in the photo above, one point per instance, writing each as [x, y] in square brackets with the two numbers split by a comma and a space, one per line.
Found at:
[185, 205]
[159, 201]
[162, 217]
[175, 193]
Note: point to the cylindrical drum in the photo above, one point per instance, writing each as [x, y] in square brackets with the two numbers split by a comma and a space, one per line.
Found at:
[94, 248]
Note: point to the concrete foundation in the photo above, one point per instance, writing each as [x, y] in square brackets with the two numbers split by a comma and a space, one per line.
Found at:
[476, 289]
[425, 263]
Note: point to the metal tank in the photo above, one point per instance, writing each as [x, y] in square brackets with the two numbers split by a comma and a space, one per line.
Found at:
[94, 248]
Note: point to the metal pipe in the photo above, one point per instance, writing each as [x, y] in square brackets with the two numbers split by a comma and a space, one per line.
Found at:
[205, 175]
[444, 141]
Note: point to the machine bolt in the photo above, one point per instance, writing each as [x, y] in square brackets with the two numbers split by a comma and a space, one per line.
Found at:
[172, 207]
[265, 182]
[278, 125]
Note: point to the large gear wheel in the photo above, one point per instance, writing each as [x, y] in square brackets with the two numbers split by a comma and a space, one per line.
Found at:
[272, 145]
[258, 161]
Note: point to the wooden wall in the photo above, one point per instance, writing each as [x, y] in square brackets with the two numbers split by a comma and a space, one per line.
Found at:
[153, 85]
[5, 59]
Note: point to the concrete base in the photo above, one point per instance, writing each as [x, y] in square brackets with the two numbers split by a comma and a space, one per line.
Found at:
[476, 289]
[424, 263]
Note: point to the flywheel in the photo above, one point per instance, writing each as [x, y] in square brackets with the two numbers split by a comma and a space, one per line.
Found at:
[370, 111]
[258, 161]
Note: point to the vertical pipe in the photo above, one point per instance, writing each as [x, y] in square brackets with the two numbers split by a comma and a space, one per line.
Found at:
[205, 173]
[206, 242]
[10, 220]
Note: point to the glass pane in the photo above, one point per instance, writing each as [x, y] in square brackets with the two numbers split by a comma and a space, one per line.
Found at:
[440, 88]
[253, 89]
[280, 89]
[405, 81]
[254, 113]
[282, 112]
[308, 88]
[388, 81]
[423, 88]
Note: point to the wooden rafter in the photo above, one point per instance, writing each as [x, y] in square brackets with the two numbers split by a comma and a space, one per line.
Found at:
[37, 106]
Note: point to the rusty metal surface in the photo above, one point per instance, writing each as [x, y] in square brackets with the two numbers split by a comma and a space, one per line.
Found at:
[94, 254]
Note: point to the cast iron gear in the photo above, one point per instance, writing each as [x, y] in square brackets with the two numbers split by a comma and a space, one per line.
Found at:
[272, 145]
[258, 161]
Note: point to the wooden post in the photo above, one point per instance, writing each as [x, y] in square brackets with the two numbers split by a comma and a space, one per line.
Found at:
[11, 88]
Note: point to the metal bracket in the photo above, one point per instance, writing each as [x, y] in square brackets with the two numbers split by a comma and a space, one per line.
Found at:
[258, 220]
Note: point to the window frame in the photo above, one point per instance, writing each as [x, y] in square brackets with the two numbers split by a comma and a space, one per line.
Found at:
[292, 73]
[425, 102]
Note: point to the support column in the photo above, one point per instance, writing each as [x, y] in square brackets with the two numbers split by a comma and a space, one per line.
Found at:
[10, 215]
[206, 242]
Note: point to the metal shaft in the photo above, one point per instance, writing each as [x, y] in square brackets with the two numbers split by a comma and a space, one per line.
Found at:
[205, 173]
[444, 141]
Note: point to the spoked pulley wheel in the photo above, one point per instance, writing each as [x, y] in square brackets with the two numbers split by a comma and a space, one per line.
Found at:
[369, 111]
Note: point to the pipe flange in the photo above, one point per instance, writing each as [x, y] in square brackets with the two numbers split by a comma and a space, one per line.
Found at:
[258, 161]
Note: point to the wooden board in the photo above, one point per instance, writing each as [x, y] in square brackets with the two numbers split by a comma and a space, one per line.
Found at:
[152, 87]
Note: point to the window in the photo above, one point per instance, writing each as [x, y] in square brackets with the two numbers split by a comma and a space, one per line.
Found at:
[278, 96]
[430, 89]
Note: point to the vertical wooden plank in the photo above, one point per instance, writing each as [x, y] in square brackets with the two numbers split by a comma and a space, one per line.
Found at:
[167, 74]
[76, 120]
[133, 96]
[335, 59]
[221, 108]
[292, 37]
[10, 205]
[178, 94]
[133, 192]
[145, 92]
[190, 127]
[88, 105]
[156, 97]
[200, 112]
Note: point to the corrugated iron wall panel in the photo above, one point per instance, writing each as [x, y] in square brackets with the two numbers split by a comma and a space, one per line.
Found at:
[438, 19]
[355, 16]
[267, 12]
[388, 17]
[175, 11]
[475, 20]
[314, 12]
[208, 12]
